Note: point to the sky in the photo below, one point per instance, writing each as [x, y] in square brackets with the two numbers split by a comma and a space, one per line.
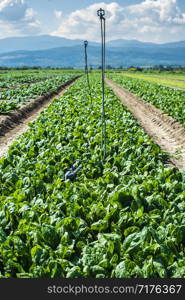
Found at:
[158, 21]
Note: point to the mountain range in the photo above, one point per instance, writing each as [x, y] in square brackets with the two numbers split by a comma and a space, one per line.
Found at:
[54, 51]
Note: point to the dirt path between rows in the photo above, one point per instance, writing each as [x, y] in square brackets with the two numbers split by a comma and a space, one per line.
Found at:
[163, 129]
[11, 127]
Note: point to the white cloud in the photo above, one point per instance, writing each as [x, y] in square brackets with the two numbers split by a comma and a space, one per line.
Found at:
[16, 18]
[30, 14]
[150, 20]
[58, 14]
[84, 23]
[161, 11]
[12, 10]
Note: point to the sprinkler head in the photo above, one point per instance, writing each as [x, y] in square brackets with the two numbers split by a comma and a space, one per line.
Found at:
[85, 43]
[101, 13]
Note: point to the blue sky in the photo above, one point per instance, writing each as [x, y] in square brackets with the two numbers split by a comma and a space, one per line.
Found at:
[146, 20]
[71, 5]
[46, 7]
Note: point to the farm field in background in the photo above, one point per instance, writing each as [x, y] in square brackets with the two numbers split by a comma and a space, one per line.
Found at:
[19, 87]
[12, 78]
[164, 78]
[121, 219]
[171, 101]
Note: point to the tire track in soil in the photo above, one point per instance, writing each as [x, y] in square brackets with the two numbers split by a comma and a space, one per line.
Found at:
[163, 129]
[11, 126]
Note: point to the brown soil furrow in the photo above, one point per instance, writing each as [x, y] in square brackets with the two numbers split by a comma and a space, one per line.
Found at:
[163, 129]
[16, 123]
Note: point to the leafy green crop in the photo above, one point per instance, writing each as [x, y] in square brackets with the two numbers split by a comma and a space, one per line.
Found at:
[10, 99]
[164, 78]
[123, 219]
[13, 79]
[169, 100]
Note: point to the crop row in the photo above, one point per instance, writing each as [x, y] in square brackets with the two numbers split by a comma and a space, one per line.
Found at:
[169, 100]
[173, 81]
[15, 78]
[14, 98]
[123, 218]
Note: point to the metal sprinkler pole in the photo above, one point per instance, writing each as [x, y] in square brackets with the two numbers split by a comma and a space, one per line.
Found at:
[85, 47]
[101, 14]
[86, 69]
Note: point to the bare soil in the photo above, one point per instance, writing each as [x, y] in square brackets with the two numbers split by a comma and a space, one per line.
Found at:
[16, 123]
[163, 129]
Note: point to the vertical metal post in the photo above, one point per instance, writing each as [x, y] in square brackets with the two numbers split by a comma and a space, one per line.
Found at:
[85, 47]
[86, 69]
[101, 14]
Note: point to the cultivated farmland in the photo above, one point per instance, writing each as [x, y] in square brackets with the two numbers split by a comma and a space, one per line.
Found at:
[124, 217]
[17, 89]
[171, 101]
[168, 79]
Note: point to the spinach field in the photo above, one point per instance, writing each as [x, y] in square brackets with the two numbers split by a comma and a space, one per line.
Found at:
[122, 218]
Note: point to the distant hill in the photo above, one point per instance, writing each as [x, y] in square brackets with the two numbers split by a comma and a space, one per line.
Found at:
[134, 43]
[129, 43]
[60, 52]
[40, 42]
